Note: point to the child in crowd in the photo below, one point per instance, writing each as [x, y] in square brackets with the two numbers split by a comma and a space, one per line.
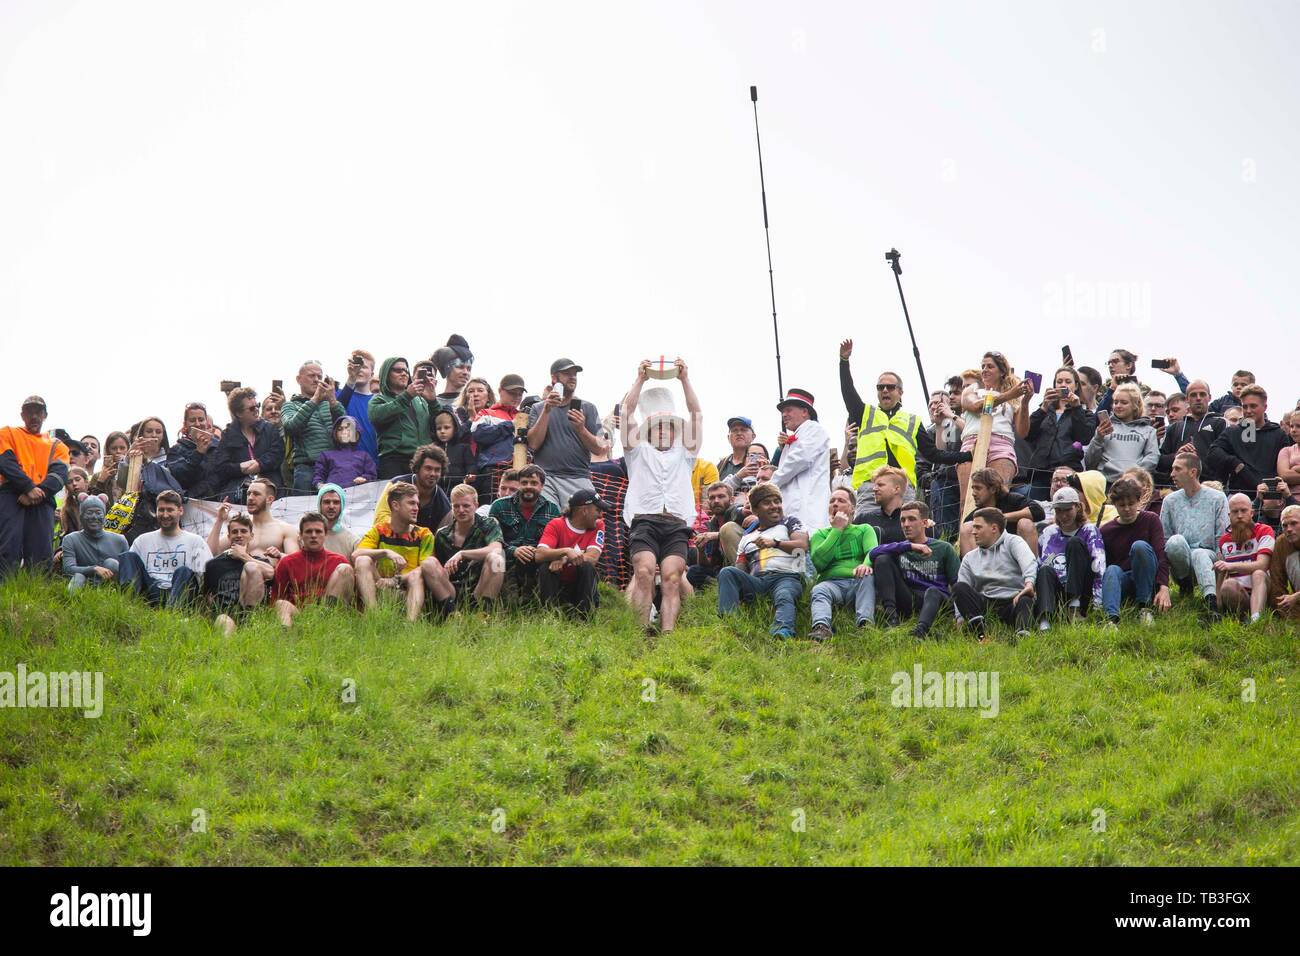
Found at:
[346, 464]
[460, 457]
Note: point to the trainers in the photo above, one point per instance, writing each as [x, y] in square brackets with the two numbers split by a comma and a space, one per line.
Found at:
[1111, 625]
[1044, 625]
[1146, 617]
[891, 616]
[1023, 632]
[920, 631]
[820, 632]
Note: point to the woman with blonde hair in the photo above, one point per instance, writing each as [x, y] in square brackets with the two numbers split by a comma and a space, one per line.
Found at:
[474, 397]
[1008, 393]
[1125, 438]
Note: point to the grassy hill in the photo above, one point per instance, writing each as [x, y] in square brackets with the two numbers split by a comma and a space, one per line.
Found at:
[528, 740]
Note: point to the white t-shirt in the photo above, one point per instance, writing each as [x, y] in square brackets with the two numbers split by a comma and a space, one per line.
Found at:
[659, 481]
[162, 556]
[1004, 418]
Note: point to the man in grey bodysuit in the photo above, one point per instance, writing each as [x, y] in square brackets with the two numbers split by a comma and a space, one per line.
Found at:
[90, 555]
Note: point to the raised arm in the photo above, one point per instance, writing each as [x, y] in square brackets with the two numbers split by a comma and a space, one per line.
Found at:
[630, 431]
[694, 436]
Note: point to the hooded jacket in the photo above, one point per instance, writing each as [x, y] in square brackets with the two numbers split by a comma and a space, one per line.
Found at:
[1094, 490]
[358, 406]
[1052, 439]
[1130, 444]
[1259, 455]
[339, 538]
[310, 425]
[401, 422]
[493, 432]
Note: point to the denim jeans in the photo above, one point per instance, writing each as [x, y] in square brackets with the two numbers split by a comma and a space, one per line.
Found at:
[828, 594]
[1139, 583]
[131, 574]
[736, 586]
[1188, 562]
[304, 480]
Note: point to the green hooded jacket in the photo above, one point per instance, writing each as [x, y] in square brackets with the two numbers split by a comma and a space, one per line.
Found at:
[401, 422]
[310, 426]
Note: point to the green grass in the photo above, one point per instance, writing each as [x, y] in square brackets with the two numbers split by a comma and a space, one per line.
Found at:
[544, 719]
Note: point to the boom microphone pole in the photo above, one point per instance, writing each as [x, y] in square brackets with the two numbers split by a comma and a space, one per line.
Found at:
[771, 286]
[892, 257]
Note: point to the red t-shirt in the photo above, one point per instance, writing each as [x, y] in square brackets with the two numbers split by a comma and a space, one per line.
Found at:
[558, 533]
[301, 577]
[1260, 542]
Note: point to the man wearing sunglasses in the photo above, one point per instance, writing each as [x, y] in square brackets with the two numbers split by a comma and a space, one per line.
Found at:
[887, 435]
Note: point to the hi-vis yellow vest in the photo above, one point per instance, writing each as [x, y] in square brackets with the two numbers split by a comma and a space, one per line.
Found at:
[878, 431]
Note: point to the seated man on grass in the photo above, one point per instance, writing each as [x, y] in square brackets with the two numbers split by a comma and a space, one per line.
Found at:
[1245, 551]
[164, 565]
[568, 553]
[272, 539]
[469, 563]
[91, 555]
[1284, 566]
[1194, 518]
[915, 575]
[312, 572]
[840, 553]
[996, 577]
[227, 589]
[1022, 515]
[397, 554]
[522, 517]
[770, 560]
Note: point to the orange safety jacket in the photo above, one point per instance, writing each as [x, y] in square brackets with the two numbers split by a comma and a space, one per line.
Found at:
[28, 460]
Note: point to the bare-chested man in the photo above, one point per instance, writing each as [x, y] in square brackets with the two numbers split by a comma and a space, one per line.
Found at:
[272, 539]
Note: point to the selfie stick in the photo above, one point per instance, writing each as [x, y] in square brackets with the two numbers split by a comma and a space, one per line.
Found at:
[776, 334]
[892, 257]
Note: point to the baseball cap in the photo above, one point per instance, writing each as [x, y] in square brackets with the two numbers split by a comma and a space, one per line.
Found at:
[740, 420]
[34, 400]
[585, 496]
[565, 365]
[1065, 496]
[510, 382]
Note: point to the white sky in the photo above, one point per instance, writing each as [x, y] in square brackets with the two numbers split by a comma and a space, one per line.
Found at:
[195, 191]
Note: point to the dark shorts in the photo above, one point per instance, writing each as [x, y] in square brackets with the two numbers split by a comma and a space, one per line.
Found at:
[664, 536]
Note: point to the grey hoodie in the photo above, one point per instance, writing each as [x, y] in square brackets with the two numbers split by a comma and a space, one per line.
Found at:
[1128, 445]
[1001, 570]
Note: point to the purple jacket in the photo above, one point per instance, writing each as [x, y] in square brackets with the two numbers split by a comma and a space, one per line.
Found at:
[1051, 550]
[343, 466]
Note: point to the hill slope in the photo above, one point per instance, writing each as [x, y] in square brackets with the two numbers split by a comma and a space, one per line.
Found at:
[533, 740]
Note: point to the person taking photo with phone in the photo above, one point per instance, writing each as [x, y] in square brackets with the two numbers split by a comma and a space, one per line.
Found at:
[1058, 430]
[1124, 437]
[400, 413]
[563, 434]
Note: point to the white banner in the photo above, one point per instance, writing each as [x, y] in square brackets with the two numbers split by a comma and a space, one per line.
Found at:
[358, 512]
